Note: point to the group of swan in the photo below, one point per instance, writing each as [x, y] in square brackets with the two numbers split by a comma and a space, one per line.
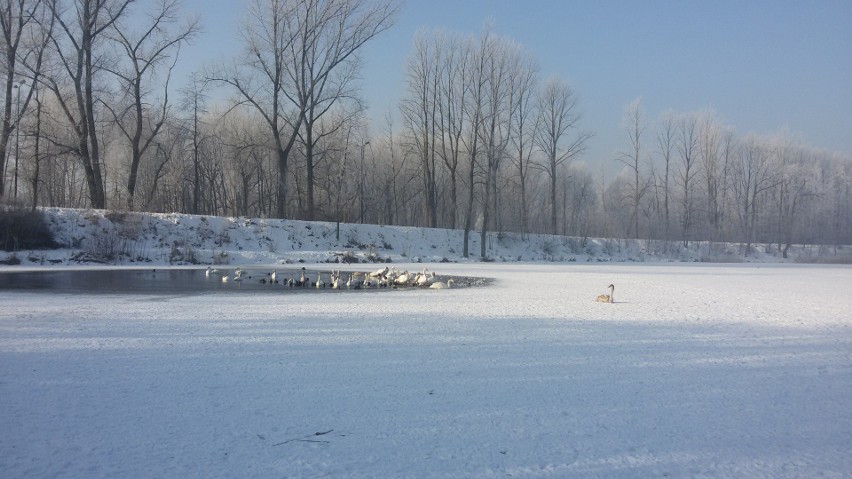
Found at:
[387, 277]
[381, 278]
[238, 274]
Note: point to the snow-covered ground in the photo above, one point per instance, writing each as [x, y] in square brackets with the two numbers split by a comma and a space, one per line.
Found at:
[697, 370]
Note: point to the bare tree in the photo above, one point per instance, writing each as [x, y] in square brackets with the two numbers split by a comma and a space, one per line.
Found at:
[145, 50]
[194, 101]
[557, 107]
[501, 66]
[687, 171]
[473, 111]
[632, 159]
[34, 133]
[259, 80]
[524, 124]
[666, 145]
[753, 177]
[25, 27]
[79, 43]
[455, 85]
[794, 190]
[390, 178]
[299, 61]
[324, 62]
[711, 161]
[420, 110]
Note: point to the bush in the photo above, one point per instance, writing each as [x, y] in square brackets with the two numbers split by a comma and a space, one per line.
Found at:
[22, 229]
[104, 247]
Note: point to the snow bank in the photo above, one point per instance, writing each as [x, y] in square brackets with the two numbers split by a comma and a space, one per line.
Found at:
[97, 236]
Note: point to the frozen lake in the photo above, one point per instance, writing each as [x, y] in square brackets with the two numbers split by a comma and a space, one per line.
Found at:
[696, 370]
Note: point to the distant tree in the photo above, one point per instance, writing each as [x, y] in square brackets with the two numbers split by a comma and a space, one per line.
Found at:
[635, 126]
[795, 187]
[754, 176]
[558, 115]
[455, 85]
[35, 133]
[25, 26]
[711, 161]
[687, 171]
[420, 109]
[524, 127]
[666, 144]
[194, 101]
[500, 68]
[474, 113]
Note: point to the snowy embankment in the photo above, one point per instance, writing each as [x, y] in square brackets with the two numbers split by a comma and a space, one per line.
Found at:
[97, 236]
[695, 371]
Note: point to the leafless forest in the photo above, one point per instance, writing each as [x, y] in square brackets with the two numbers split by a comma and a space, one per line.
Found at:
[482, 141]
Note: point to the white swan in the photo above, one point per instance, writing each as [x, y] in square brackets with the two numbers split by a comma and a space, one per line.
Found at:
[380, 272]
[225, 278]
[238, 275]
[403, 278]
[274, 276]
[424, 279]
[210, 272]
[442, 285]
[607, 298]
[392, 275]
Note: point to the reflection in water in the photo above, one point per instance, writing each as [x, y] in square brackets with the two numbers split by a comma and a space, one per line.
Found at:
[166, 281]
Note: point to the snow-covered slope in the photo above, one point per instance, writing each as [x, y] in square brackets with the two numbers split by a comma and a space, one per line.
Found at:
[97, 236]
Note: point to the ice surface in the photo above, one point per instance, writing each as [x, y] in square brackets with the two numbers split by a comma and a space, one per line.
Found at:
[695, 370]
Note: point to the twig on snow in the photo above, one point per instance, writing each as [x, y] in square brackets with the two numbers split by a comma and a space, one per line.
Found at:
[305, 438]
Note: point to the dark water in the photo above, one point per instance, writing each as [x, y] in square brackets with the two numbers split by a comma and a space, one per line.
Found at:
[174, 281]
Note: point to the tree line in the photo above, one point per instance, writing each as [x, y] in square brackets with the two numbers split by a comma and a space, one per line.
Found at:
[92, 117]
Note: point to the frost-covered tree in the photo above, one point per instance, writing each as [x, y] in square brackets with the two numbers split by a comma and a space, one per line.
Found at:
[557, 136]
[635, 125]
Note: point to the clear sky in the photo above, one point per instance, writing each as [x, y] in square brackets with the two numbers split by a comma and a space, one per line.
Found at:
[762, 65]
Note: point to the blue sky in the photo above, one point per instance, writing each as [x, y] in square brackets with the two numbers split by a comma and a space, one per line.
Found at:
[761, 65]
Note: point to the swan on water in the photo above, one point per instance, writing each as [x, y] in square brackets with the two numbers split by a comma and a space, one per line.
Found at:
[442, 285]
[403, 278]
[424, 278]
[380, 272]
